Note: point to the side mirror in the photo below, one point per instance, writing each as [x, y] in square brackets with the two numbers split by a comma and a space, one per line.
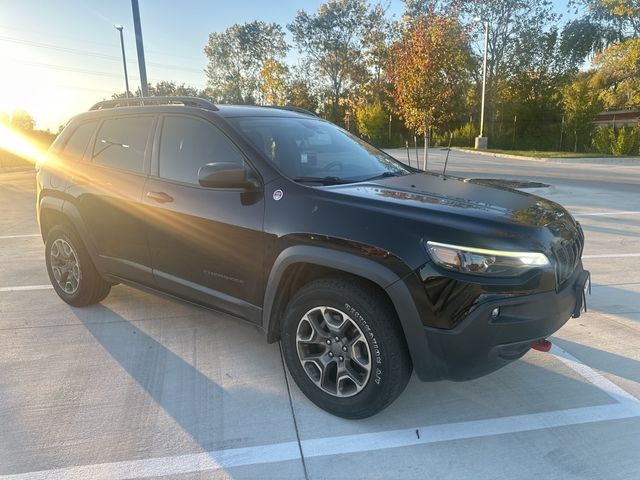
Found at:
[225, 175]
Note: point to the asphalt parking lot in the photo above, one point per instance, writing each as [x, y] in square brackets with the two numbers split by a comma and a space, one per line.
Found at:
[145, 387]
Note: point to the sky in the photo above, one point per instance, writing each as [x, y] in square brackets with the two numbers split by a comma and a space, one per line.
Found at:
[57, 58]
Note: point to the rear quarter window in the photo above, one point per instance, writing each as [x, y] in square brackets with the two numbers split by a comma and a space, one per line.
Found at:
[77, 143]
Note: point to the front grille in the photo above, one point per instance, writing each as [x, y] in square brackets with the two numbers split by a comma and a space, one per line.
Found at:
[567, 255]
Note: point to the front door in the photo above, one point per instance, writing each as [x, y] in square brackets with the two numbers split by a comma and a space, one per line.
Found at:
[206, 243]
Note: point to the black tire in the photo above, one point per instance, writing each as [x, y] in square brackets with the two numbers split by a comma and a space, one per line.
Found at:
[390, 363]
[91, 288]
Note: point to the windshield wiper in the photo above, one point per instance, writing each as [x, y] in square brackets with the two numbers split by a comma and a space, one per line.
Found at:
[385, 175]
[329, 180]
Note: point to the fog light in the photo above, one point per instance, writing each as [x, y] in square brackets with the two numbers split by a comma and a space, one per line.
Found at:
[495, 312]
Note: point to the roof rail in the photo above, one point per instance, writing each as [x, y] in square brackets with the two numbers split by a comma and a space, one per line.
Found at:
[293, 108]
[141, 101]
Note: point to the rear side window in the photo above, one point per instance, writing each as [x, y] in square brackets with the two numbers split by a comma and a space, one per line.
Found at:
[121, 142]
[77, 144]
[189, 143]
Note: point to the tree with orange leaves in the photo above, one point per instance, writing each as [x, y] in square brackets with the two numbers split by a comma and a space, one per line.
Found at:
[428, 69]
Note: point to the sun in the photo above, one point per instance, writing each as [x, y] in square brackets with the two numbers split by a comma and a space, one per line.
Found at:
[19, 145]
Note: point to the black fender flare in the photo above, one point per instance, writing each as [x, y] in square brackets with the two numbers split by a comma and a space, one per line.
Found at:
[72, 215]
[389, 281]
[52, 204]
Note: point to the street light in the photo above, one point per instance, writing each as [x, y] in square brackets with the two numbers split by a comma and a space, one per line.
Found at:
[124, 61]
[481, 140]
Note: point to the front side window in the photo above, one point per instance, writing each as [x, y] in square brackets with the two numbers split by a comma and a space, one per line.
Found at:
[312, 150]
[77, 144]
[121, 142]
[188, 143]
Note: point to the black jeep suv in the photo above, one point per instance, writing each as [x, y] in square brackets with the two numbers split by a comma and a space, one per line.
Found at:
[362, 267]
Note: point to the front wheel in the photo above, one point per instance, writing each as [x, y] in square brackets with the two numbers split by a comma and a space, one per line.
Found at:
[344, 347]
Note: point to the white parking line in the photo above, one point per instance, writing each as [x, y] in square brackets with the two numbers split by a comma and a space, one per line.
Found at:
[5, 237]
[606, 214]
[280, 452]
[626, 406]
[612, 255]
[181, 464]
[596, 379]
[25, 288]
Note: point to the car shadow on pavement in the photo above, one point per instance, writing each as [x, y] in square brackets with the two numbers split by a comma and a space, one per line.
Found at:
[615, 300]
[198, 404]
[602, 360]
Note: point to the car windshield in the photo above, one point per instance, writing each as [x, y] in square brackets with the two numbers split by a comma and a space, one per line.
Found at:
[314, 151]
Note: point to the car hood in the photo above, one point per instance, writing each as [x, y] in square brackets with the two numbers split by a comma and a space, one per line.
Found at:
[453, 195]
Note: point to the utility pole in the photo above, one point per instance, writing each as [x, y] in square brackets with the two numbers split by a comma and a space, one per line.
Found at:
[427, 136]
[144, 86]
[481, 140]
[124, 61]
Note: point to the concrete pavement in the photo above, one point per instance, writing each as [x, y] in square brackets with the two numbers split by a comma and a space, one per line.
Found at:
[144, 387]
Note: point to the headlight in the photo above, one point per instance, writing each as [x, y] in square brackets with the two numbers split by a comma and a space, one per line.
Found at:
[480, 261]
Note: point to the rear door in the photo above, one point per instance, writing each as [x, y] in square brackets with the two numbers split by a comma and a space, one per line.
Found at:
[206, 243]
[108, 190]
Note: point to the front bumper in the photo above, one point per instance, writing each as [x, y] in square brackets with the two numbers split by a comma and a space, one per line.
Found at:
[481, 344]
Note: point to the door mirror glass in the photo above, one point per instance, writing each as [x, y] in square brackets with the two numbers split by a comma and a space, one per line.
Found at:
[224, 175]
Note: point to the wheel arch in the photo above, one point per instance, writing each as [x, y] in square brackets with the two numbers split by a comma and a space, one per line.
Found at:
[300, 259]
[56, 211]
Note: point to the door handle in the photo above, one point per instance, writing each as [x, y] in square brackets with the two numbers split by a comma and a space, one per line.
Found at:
[160, 197]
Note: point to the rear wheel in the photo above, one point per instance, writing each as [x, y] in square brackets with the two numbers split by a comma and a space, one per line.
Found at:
[344, 348]
[71, 271]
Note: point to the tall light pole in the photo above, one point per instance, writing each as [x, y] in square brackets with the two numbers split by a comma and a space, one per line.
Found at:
[124, 61]
[144, 86]
[481, 140]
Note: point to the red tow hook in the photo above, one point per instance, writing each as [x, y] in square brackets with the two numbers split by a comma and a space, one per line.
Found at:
[543, 345]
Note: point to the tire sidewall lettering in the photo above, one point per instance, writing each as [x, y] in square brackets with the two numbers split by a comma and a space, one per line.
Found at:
[373, 342]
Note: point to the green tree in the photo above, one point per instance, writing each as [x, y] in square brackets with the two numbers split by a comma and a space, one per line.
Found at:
[167, 88]
[602, 23]
[171, 89]
[238, 55]
[618, 74]
[375, 50]
[372, 121]
[582, 38]
[300, 94]
[21, 120]
[580, 102]
[531, 91]
[332, 40]
[619, 16]
[273, 82]
[509, 21]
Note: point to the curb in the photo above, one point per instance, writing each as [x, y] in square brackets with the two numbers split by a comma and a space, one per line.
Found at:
[594, 160]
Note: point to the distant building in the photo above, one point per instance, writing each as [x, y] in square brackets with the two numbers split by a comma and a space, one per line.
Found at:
[618, 118]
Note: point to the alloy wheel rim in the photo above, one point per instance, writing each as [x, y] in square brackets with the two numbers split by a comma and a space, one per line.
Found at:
[65, 266]
[333, 351]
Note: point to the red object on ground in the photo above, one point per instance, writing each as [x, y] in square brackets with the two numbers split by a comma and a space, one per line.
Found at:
[542, 345]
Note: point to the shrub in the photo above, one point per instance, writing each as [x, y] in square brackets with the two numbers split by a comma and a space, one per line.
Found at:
[462, 136]
[617, 141]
